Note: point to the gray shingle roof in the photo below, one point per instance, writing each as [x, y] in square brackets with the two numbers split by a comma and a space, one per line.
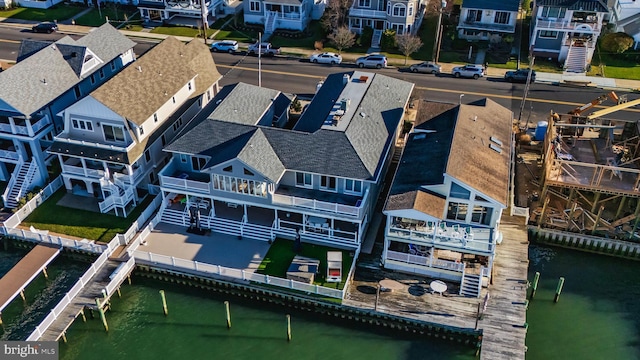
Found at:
[500, 5]
[259, 154]
[29, 47]
[354, 153]
[42, 77]
[580, 5]
[246, 104]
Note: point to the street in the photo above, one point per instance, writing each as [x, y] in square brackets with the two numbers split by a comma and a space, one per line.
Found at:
[293, 75]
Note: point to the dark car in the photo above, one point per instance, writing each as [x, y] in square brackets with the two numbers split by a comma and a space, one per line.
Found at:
[519, 75]
[45, 27]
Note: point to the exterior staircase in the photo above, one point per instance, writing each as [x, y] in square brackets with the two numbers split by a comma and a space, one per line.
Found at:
[576, 61]
[471, 285]
[20, 183]
[375, 40]
[269, 25]
[121, 195]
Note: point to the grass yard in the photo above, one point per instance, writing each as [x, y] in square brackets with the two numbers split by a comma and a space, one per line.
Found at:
[58, 12]
[231, 33]
[81, 223]
[93, 18]
[278, 258]
[181, 31]
[619, 66]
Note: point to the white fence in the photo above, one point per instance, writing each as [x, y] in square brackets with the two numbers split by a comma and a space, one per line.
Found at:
[75, 290]
[208, 270]
[40, 237]
[32, 204]
[122, 272]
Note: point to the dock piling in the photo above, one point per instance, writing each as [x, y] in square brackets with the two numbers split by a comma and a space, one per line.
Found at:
[129, 279]
[84, 318]
[24, 299]
[102, 316]
[118, 290]
[477, 316]
[288, 327]
[558, 290]
[46, 276]
[534, 286]
[64, 336]
[164, 303]
[226, 305]
[375, 307]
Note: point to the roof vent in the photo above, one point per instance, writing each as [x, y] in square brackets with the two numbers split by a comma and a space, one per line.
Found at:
[139, 68]
[74, 54]
[475, 118]
[495, 140]
[364, 79]
[495, 148]
[44, 81]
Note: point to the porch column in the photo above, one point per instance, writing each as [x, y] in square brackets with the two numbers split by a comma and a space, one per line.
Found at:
[29, 128]
[89, 186]
[13, 125]
[84, 166]
[4, 174]
[433, 249]
[107, 174]
[61, 162]
[276, 218]
[332, 227]
[213, 208]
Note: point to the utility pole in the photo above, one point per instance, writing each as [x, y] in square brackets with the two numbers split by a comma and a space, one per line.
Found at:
[526, 88]
[259, 59]
[436, 45]
[205, 24]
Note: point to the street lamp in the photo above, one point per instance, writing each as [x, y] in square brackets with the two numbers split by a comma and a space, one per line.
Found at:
[436, 45]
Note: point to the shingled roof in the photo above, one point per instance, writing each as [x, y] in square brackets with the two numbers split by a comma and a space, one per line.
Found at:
[46, 71]
[455, 142]
[355, 152]
[578, 5]
[499, 5]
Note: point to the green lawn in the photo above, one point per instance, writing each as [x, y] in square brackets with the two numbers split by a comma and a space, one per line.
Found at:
[619, 66]
[278, 258]
[231, 33]
[58, 12]
[93, 18]
[315, 33]
[80, 223]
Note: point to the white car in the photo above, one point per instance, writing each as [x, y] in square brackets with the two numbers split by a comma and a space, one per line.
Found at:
[468, 71]
[326, 58]
[225, 46]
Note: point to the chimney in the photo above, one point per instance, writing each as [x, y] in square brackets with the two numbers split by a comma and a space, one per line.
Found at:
[345, 79]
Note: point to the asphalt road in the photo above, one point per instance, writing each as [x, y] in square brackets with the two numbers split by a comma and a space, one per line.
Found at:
[300, 77]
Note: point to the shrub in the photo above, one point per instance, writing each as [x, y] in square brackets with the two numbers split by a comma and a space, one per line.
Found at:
[616, 42]
[388, 40]
[366, 36]
[296, 105]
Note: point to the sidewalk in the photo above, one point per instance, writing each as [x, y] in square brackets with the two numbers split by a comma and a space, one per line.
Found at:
[541, 77]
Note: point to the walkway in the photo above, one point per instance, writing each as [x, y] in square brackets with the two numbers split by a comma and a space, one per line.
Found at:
[86, 298]
[14, 282]
[503, 329]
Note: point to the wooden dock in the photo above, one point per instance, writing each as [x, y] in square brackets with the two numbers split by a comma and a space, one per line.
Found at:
[27, 269]
[503, 323]
[86, 298]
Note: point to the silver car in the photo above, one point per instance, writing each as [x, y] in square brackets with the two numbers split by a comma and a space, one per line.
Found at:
[372, 61]
[326, 58]
[427, 67]
[468, 71]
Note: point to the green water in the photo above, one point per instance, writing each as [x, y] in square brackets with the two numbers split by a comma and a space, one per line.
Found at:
[196, 329]
[598, 314]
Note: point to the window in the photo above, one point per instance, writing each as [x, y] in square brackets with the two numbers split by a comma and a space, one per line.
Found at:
[474, 16]
[155, 117]
[228, 169]
[163, 139]
[174, 99]
[254, 6]
[354, 186]
[303, 179]
[327, 182]
[177, 124]
[183, 158]
[93, 79]
[208, 95]
[553, 12]
[147, 155]
[457, 211]
[501, 17]
[113, 133]
[189, 84]
[399, 28]
[247, 172]
[546, 34]
[152, 177]
[101, 72]
[141, 129]
[481, 215]
[76, 90]
[459, 192]
[410, 9]
[82, 124]
[364, 3]
[197, 163]
[113, 66]
[399, 10]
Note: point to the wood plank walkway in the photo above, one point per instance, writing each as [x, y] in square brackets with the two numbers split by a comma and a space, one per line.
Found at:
[86, 298]
[27, 269]
[503, 322]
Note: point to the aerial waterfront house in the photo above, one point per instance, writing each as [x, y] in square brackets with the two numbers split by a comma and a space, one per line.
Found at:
[111, 145]
[47, 78]
[240, 172]
[446, 200]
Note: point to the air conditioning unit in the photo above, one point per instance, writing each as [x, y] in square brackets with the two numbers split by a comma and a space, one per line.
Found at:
[489, 12]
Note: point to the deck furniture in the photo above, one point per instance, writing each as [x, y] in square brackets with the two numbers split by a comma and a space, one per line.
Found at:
[438, 286]
[303, 269]
[334, 266]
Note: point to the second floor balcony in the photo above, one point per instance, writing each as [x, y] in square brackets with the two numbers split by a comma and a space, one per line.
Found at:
[322, 201]
[490, 26]
[22, 126]
[568, 25]
[367, 13]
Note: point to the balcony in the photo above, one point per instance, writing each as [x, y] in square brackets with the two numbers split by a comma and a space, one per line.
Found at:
[321, 201]
[73, 166]
[475, 25]
[427, 261]
[20, 126]
[176, 179]
[367, 13]
[567, 25]
[452, 237]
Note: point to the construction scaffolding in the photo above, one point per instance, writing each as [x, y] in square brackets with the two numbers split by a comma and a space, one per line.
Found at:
[590, 176]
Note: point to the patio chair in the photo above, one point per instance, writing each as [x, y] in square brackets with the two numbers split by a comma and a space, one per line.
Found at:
[442, 228]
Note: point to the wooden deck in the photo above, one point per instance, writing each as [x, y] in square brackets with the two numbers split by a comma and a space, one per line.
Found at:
[27, 269]
[503, 322]
[86, 298]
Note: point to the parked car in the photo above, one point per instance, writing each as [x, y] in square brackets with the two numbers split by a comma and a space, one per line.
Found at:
[519, 75]
[469, 71]
[45, 27]
[225, 45]
[265, 49]
[372, 61]
[427, 67]
[326, 58]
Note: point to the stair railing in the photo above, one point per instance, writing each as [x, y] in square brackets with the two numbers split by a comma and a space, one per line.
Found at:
[12, 180]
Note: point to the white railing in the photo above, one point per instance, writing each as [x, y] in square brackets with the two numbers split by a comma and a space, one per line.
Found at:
[12, 180]
[41, 237]
[32, 204]
[520, 211]
[477, 240]
[40, 124]
[95, 144]
[4, 127]
[319, 205]
[184, 184]
[425, 261]
[366, 13]
[326, 235]
[123, 272]
[567, 25]
[8, 154]
[209, 270]
[28, 178]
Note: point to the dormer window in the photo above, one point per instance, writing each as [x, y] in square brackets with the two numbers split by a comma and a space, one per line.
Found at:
[113, 133]
[155, 117]
[189, 84]
[141, 129]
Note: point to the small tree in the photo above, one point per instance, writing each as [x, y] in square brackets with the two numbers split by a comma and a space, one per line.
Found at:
[335, 14]
[366, 36]
[388, 40]
[616, 42]
[408, 44]
[342, 38]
